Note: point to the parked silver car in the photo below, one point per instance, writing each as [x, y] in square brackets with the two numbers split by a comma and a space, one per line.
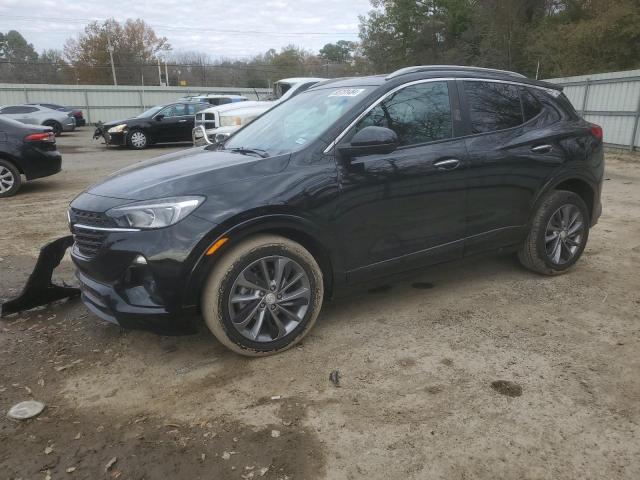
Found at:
[38, 115]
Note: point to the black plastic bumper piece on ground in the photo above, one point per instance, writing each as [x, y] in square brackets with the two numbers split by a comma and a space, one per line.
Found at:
[39, 290]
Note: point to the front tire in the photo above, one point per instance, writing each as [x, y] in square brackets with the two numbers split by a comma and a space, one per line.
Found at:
[10, 179]
[137, 140]
[263, 296]
[558, 234]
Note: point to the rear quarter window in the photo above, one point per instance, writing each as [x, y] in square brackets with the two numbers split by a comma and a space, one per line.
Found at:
[531, 106]
[552, 111]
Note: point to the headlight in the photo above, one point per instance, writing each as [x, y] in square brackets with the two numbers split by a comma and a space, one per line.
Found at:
[154, 213]
[118, 128]
[230, 121]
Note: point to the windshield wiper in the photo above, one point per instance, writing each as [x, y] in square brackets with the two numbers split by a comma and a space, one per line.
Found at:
[250, 151]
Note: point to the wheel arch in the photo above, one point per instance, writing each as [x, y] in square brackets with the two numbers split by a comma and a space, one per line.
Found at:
[575, 183]
[581, 188]
[295, 228]
[12, 160]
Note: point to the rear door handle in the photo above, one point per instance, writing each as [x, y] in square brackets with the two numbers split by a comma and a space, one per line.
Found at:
[181, 121]
[542, 149]
[450, 164]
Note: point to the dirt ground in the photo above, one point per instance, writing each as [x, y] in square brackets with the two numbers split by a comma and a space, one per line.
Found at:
[419, 362]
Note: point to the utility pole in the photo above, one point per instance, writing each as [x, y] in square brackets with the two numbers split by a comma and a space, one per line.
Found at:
[166, 73]
[110, 49]
[159, 72]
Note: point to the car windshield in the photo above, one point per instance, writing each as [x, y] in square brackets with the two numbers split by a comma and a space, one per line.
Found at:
[297, 122]
[151, 112]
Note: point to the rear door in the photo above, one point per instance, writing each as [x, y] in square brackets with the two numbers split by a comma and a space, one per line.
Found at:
[513, 148]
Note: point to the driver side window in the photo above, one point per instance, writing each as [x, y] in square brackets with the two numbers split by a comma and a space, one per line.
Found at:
[176, 110]
[418, 114]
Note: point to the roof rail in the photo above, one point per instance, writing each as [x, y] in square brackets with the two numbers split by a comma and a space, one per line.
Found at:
[426, 68]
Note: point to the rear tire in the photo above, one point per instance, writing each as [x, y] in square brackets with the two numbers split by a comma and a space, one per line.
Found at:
[10, 179]
[137, 140]
[57, 128]
[558, 234]
[253, 303]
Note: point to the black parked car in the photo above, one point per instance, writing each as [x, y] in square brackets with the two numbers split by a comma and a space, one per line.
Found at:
[160, 124]
[28, 150]
[72, 112]
[347, 182]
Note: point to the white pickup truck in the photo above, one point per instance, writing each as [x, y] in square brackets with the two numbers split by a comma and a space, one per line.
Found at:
[215, 124]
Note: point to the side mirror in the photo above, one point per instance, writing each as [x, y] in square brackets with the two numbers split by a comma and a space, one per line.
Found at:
[370, 141]
[159, 117]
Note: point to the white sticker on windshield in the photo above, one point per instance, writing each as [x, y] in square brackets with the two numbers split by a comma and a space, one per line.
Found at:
[347, 92]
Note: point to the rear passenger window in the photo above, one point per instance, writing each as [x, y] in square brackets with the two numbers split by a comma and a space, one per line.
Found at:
[531, 107]
[493, 106]
[418, 114]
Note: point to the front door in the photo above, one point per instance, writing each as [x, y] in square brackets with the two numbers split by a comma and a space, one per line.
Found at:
[405, 209]
[171, 124]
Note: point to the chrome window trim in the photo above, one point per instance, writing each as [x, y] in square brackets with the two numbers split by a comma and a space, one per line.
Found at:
[103, 229]
[417, 82]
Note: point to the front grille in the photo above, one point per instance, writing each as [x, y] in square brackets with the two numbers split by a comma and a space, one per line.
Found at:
[89, 241]
[91, 219]
[208, 120]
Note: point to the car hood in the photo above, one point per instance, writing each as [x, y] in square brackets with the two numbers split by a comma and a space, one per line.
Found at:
[189, 172]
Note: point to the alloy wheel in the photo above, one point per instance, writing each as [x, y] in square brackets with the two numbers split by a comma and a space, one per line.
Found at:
[138, 139]
[7, 179]
[564, 234]
[269, 298]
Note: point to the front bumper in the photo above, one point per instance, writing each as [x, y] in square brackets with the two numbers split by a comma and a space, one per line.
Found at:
[213, 136]
[118, 139]
[106, 303]
[201, 137]
[150, 296]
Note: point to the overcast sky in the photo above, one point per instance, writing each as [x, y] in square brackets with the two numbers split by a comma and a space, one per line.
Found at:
[212, 26]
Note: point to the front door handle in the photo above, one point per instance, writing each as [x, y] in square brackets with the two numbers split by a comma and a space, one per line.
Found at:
[450, 164]
[542, 149]
[181, 121]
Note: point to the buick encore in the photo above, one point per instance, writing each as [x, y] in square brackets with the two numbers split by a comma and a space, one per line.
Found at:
[350, 181]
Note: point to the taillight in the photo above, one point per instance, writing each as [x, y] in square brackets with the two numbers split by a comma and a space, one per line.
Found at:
[597, 132]
[41, 137]
[77, 114]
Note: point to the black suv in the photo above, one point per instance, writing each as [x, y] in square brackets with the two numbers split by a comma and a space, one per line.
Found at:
[160, 124]
[350, 181]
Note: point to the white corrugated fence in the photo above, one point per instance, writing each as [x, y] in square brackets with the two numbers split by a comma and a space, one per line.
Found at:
[105, 102]
[612, 100]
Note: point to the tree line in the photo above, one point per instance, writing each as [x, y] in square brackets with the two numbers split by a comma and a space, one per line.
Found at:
[552, 38]
[544, 38]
